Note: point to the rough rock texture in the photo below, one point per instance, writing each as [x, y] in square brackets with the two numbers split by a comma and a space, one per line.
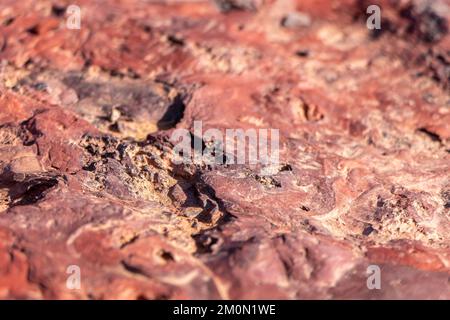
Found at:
[86, 170]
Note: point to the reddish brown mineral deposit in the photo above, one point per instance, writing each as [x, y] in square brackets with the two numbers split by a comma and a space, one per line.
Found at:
[87, 176]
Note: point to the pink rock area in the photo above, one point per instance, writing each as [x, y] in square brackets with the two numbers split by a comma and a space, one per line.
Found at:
[87, 176]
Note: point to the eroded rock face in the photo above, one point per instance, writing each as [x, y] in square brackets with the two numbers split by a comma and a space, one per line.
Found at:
[88, 178]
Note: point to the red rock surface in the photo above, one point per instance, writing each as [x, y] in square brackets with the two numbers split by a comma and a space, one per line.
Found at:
[86, 170]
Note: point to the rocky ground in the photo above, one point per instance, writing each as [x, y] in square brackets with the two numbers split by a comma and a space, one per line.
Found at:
[87, 176]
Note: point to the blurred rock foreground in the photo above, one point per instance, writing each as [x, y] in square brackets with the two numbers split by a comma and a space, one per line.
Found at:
[87, 176]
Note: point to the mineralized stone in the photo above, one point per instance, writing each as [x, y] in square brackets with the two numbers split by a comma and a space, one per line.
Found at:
[88, 176]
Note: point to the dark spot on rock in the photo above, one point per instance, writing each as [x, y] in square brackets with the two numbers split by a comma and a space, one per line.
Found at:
[41, 86]
[204, 242]
[268, 182]
[230, 5]
[368, 230]
[445, 195]
[175, 40]
[427, 24]
[133, 269]
[173, 115]
[356, 128]
[166, 255]
[302, 53]
[8, 21]
[58, 11]
[33, 30]
[285, 167]
[36, 190]
[206, 215]
[433, 136]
